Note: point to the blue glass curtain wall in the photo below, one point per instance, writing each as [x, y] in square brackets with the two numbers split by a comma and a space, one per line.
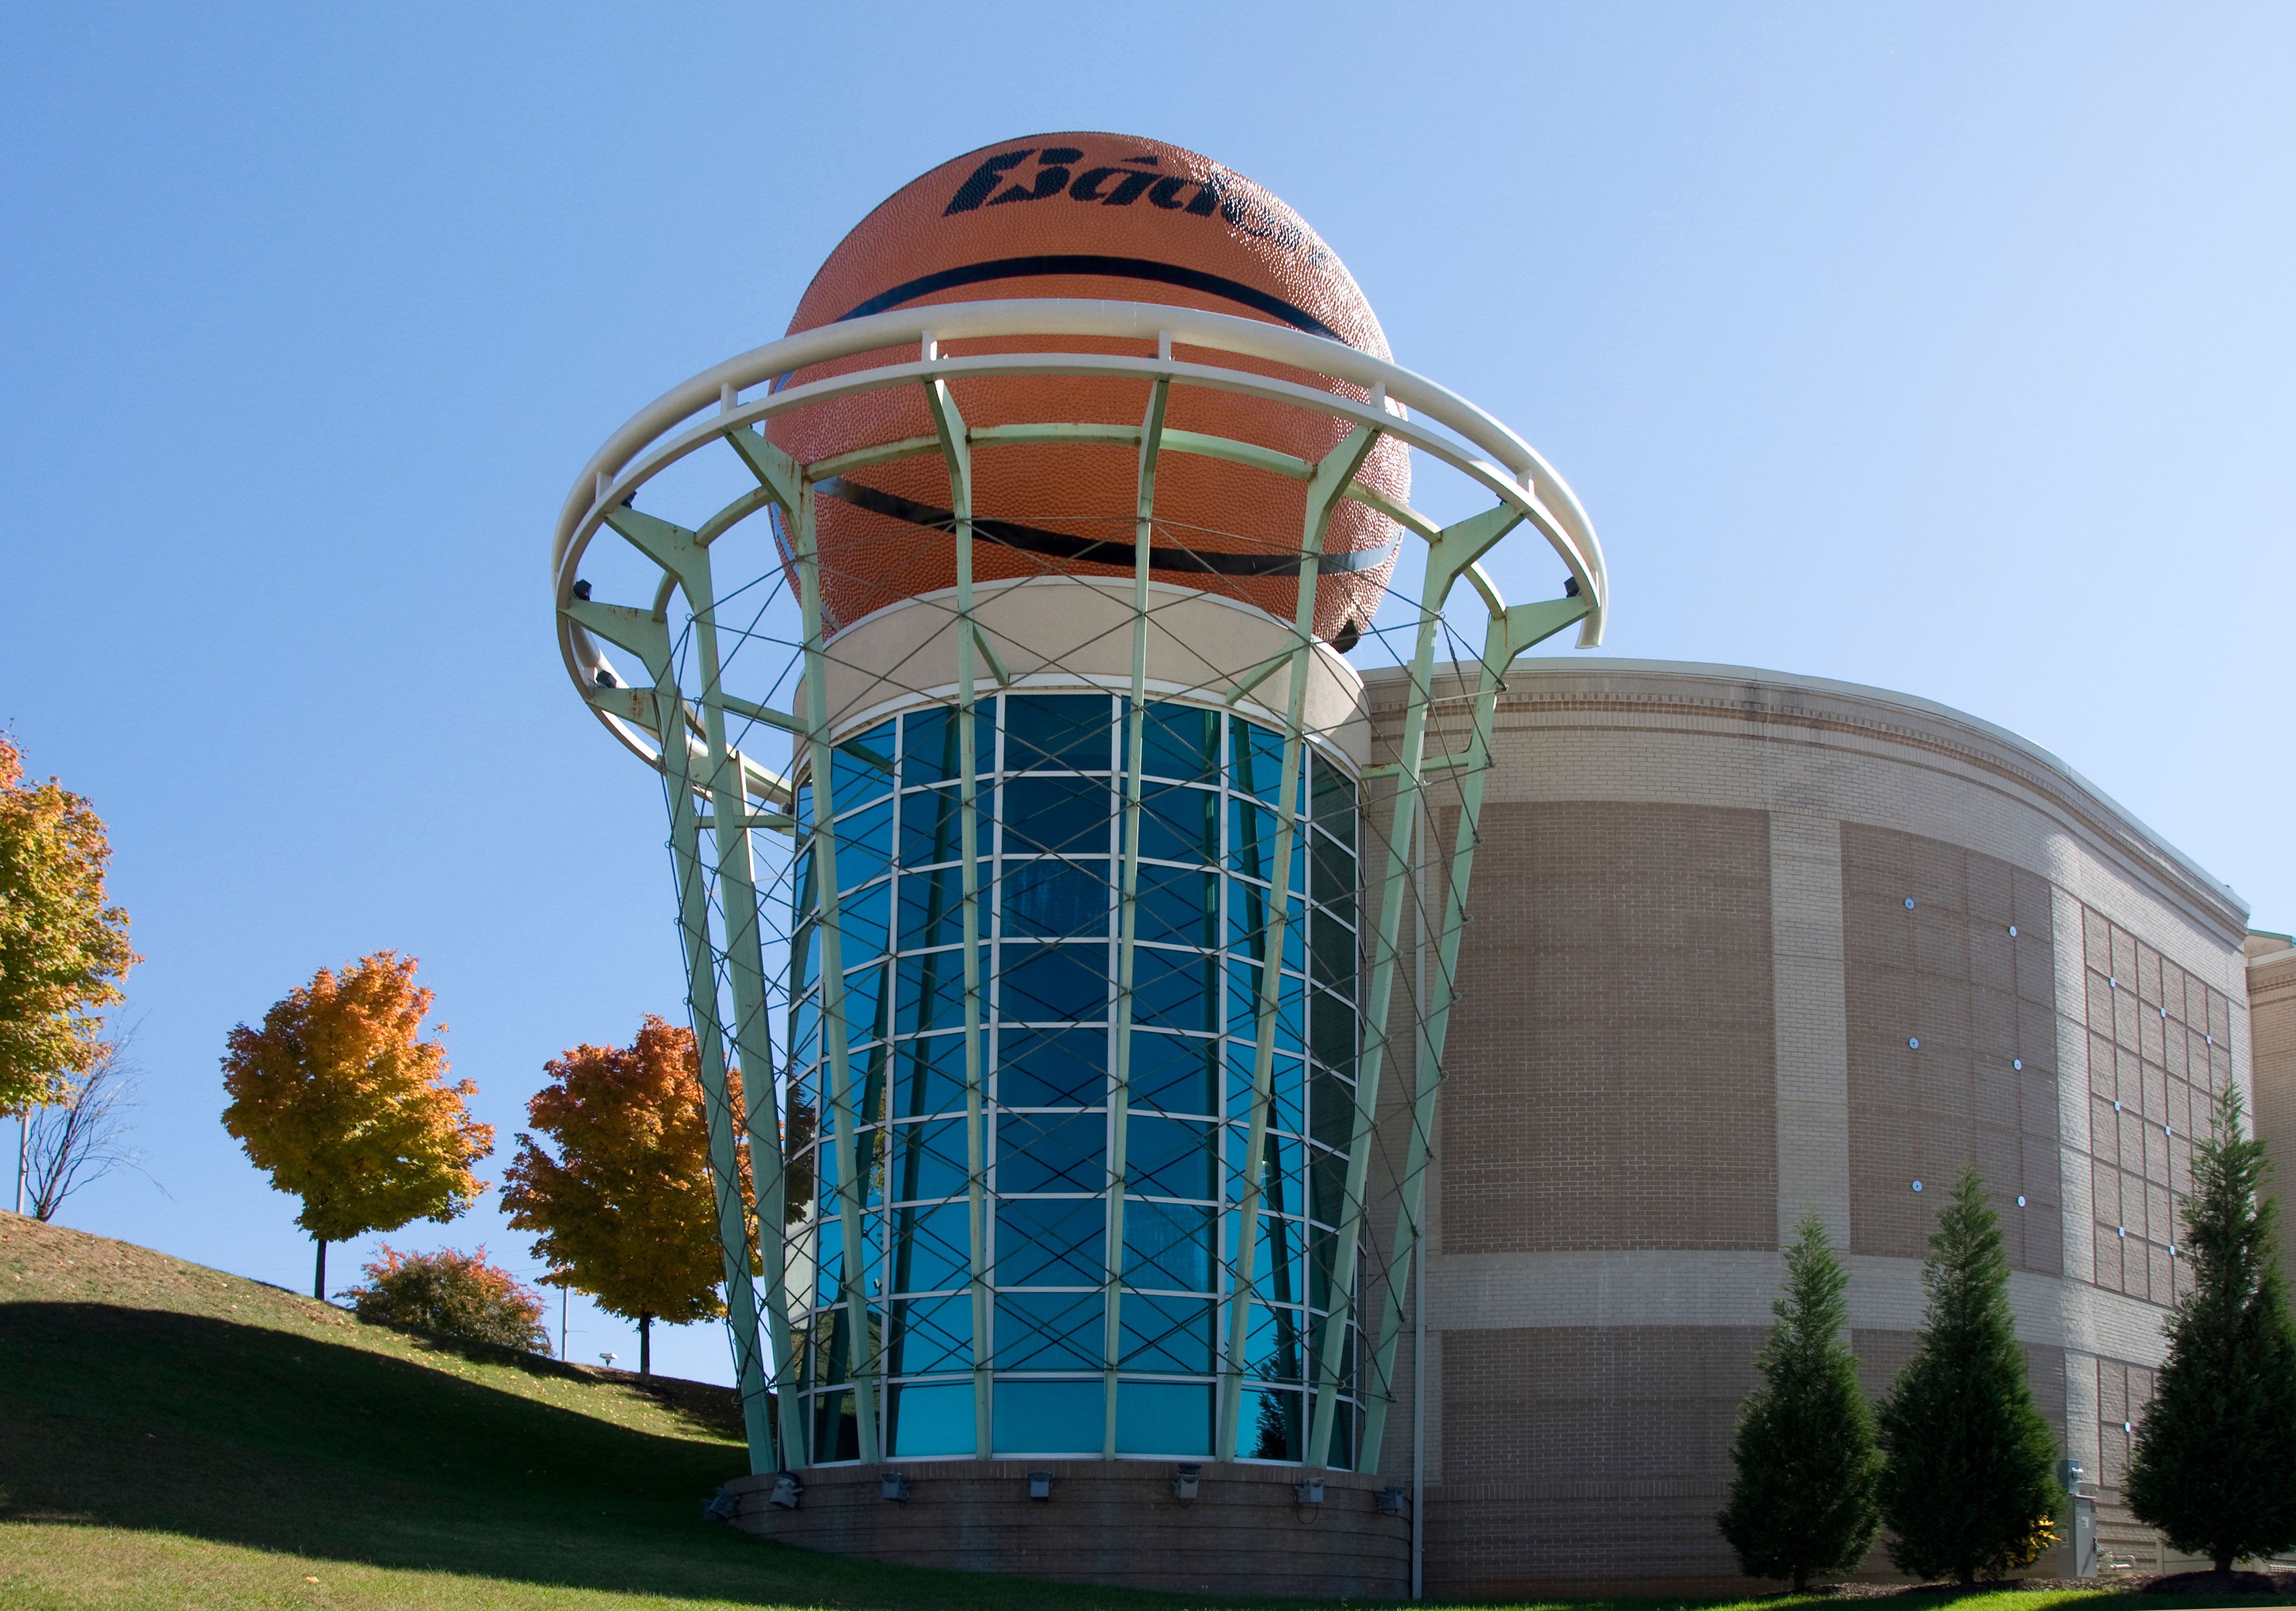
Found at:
[1051, 769]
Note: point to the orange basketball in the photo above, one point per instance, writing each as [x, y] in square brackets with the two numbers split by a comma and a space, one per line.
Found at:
[1113, 218]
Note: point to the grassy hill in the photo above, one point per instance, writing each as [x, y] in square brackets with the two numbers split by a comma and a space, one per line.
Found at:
[174, 1437]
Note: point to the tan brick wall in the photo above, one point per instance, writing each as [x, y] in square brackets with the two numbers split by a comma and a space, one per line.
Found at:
[1586, 1455]
[1590, 1339]
[1611, 1078]
[2272, 1027]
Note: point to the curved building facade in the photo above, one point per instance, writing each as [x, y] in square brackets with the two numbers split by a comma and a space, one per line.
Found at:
[1747, 946]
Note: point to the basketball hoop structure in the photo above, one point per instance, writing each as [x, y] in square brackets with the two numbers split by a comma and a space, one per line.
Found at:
[883, 933]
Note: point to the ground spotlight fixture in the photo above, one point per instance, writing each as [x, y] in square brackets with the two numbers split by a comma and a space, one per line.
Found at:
[894, 1486]
[1184, 1482]
[786, 1488]
[1308, 1493]
[1391, 1501]
[1041, 1485]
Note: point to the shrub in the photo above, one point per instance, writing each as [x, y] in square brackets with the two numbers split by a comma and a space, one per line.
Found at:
[459, 1294]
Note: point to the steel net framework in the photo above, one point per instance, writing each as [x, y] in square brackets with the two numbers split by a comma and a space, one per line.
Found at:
[1129, 1206]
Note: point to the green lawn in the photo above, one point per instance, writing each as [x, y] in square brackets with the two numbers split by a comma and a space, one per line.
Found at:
[174, 1437]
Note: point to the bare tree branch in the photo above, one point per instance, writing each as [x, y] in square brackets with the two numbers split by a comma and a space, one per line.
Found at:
[77, 1142]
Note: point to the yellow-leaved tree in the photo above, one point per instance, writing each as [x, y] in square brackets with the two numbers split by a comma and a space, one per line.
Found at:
[63, 950]
[342, 1101]
[626, 1209]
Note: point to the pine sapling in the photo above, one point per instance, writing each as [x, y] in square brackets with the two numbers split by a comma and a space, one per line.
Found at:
[1803, 1499]
[1970, 1482]
[2215, 1457]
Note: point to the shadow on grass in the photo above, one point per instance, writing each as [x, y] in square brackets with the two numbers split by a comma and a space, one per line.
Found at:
[153, 1420]
[162, 1421]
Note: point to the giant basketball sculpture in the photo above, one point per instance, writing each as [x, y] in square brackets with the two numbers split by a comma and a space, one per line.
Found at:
[989, 632]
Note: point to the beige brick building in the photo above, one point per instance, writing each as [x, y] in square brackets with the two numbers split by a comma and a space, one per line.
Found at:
[1747, 946]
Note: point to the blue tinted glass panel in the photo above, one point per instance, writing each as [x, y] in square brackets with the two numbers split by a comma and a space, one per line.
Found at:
[1168, 1245]
[1163, 1418]
[864, 923]
[928, 1159]
[1243, 982]
[1058, 732]
[1051, 1332]
[1179, 908]
[931, 993]
[1275, 1426]
[1331, 876]
[1048, 1418]
[1169, 1157]
[864, 1005]
[1052, 1152]
[1052, 1241]
[932, 828]
[1276, 1350]
[1335, 803]
[929, 1076]
[1332, 957]
[1179, 824]
[864, 844]
[1057, 899]
[861, 767]
[932, 1247]
[929, 743]
[1255, 760]
[931, 1336]
[932, 908]
[1181, 741]
[936, 1419]
[1053, 983]
[1251, 840]
[808, 958]
[1173, 1074]
[1331, 1108]
[1334, 1024]
[1058, 816]
[1175, 989]
[1052, 1067]
[1165, 1334]
[836, 1435]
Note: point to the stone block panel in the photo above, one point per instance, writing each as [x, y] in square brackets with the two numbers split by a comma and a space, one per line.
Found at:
[1951, 998]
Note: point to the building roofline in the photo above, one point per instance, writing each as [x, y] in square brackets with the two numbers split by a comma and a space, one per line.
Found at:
[2042, 766]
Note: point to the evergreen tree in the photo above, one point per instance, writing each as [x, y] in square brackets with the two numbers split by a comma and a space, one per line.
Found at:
[2215, 1467]
[1970, 1483]
[1803, 1501]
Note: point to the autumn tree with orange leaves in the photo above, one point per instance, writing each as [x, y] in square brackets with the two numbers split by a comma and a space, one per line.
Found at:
[63, 950]
[342, 1101]
[626, 1210]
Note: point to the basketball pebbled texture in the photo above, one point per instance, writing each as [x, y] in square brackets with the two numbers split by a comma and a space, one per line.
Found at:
[1113, 218]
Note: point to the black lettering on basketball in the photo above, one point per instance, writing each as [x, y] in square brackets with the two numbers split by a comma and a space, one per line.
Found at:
[1166, 192]
[975, 190]
[1052, 175]
[1128, 189]
[1087, 185]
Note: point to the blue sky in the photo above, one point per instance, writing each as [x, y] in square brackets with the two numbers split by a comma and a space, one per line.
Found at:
[1943, 348]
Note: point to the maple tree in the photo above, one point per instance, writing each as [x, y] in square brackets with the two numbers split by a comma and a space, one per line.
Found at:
[63, 950]
[339, 1098]
[626, 1210]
